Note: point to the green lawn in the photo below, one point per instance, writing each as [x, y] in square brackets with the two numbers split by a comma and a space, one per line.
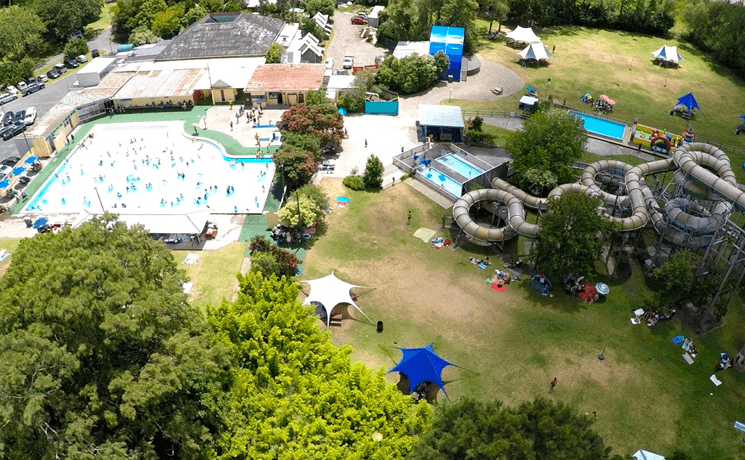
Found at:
[9, 245]
[103, 22]
[214, 274]
[620, 65]
[510, 345]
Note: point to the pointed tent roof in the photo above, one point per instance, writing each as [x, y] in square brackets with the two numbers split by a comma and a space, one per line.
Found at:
[668, 54]
[646, 455]
[689, 101]
[330, 291]
[422, 365]
[523, 34]
[535, 51]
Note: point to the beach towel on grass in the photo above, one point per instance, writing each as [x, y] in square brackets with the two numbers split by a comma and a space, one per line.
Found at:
[191, 259]
[424, 234]
[496, 287]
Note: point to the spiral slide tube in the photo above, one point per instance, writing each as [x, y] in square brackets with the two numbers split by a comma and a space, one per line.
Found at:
[686, 229]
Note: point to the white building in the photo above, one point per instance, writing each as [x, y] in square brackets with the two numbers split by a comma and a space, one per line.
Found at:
[92, 74]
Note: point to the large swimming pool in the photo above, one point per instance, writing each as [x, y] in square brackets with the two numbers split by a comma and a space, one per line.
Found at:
[600, 126]
[463, 167]
[153, 168]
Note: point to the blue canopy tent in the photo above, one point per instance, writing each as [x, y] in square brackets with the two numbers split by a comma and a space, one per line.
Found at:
[422, 365]
[689, 102]
[31, 159]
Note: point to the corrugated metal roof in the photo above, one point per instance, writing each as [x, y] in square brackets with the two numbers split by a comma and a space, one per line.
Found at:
[441, 115]
[159, 83]
[287, 77]
[224, 35]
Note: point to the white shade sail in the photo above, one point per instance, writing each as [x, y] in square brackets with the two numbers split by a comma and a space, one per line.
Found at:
[523, 34]
[330, 291]
[535, 51]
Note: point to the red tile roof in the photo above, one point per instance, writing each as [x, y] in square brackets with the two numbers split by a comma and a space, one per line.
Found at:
[286, 77]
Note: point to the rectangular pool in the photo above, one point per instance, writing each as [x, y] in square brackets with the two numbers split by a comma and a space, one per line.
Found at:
[596, 125]
[463, 167]
[440, 179]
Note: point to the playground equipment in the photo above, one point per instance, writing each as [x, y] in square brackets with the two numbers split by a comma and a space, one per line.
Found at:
[683, 222]
[659, 141]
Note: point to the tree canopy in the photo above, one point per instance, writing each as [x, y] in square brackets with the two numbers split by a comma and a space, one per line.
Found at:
[296, 165]
[101, 354]
[538, 430]
[293, 394]
[545, 149]
[412, 73]
[572, 236]
[323, 121]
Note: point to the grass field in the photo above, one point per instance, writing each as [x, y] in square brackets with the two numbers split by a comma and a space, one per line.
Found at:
[9, 245]
[510, 345]
[214, 274]
[620, 65]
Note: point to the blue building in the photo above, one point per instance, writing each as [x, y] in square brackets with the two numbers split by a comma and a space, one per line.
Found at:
[450, 40]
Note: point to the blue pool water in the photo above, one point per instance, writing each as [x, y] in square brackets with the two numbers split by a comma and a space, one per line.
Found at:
[440, 179]
[597, 125]
[463, 167]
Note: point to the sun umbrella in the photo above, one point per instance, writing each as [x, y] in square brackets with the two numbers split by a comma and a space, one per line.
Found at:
[4, 183]
[40, 222]
[602, 288]
[31, 159]
[18, 171]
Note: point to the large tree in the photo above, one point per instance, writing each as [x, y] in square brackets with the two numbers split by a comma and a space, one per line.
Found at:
[412, 20]
[572, 236]
[544, 150]
[100, 354]
[323, 121]
[293, 393]
[295, 164]
[538, 430]
[63, 17]
[20, 32]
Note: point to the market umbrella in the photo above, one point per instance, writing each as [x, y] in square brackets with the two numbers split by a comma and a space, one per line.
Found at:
[4, 183]
[40, 222]
[31, 159]
[689, 101]
[18, 171]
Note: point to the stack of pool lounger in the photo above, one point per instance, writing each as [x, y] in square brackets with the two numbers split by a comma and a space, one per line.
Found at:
[341, 201]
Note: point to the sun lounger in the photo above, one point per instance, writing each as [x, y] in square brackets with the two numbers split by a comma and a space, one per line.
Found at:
[715, 380]
[687, 358]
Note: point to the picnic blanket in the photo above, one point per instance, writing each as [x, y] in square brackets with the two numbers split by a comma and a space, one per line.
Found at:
[191, 259]
[4, 254]
[496, 287]
[425, 234]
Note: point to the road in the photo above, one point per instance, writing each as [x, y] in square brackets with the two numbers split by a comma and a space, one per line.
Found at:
[55, 90]
[348, 43]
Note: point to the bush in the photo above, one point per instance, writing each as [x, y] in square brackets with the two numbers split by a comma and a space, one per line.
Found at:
[142, 36]
[353, 101]
[477, 123]
[264, 263]
[275, 53]
[373, 177]
[480, 137]
[75, 47]
[284, 262]
[354, 182]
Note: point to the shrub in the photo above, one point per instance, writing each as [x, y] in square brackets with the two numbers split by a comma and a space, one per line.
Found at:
[373, 177]
[264, 263]
[284, 262]
[480, 137]
[75, 47]
[354, 182]
[275, 53]
[476, 123]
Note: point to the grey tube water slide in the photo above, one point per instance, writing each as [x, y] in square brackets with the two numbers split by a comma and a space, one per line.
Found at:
[686, 159]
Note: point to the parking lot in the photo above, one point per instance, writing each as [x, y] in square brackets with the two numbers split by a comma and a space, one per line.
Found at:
[348, 43]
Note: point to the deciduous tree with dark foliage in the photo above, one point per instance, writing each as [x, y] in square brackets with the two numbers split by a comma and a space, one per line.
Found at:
[323, 121]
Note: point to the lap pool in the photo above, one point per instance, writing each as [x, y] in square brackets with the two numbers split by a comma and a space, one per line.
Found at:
[596, 125]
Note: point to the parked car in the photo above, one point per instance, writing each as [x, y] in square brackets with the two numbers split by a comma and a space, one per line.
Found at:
[359, 20]
[42, 78]
[24, 180]
[18, 118]
[329, 63]
[30, 117]
[379, 59]
[32, 88]
[81, 59]
[7, 118]
[361, 14]
[60, 68]
[71, 64]
[21, 86]
[11, 89]
[95, 53]
[10, 161]
[31, 80]
[7, 97]
[3, 130]
[348, 62]
[54, 73]
[13, 131]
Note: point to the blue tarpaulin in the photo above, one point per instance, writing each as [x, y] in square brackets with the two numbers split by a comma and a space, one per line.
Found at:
[421, 365]
[40, 222]
[689, 101]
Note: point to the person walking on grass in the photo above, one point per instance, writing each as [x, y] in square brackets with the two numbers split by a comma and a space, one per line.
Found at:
[408, 222]
[553, 384]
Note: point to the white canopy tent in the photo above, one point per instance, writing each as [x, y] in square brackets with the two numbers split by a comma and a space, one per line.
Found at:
[668, 54]
[330, 291]
[646, 455]
[535, 51]
[523, 34]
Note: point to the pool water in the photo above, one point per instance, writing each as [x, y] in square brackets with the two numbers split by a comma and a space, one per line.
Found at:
[600, 126]
[153, 168]
[440, 179]
[463, 167]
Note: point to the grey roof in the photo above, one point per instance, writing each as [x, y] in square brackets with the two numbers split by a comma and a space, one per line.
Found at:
[441, 115]
[224, 35]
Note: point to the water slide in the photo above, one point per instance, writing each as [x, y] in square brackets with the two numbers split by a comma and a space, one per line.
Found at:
[684, 222]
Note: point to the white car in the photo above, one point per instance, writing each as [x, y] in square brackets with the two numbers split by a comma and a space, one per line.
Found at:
[81, 59]
[30, 117]
[348, 62]
[329, 63]
[11, 89]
